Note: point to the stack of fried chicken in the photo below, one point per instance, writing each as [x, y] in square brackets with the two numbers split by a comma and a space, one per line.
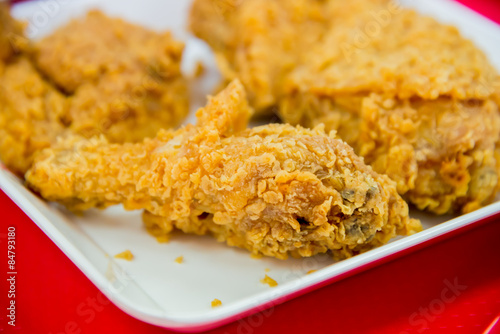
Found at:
[87, 115]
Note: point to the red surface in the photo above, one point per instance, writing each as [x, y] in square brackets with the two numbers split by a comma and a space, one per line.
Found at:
[409, 295]
[488, 8]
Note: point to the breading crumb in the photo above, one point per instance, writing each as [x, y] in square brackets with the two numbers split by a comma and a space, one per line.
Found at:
[311, 271]
[180, 259]
[267, 270]
[126, 255]
[216, 303]
[163, 239]
[268, 280]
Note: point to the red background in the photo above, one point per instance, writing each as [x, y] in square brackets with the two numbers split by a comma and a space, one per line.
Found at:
[403, 296]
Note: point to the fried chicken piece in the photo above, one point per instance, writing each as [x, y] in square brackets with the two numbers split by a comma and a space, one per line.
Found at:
[128, 106]
[32, 114]
[127, 94]
[443, 153]
[89, 47]
[321, 62]
[258, 39]
[12, 40]
[125, 80]
[275, 190]
[244, 35]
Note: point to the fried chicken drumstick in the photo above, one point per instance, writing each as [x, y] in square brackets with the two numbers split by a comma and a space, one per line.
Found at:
[416, 99]
[275, 190]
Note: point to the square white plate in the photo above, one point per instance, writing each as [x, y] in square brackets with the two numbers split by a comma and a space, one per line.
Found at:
[153, 287]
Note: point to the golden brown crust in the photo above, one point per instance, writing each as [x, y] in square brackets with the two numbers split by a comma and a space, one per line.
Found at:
[275, 190]
[441, 153]
[87, 48]
[319, 62]
[118, 79]
[328, 48]
[12, 39]
[413, 56]
[257, 41]
[125, 80]
[32, 114]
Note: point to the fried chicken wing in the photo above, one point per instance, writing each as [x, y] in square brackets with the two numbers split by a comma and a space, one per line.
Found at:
[325, 62]
[96, 76]
[275, 190]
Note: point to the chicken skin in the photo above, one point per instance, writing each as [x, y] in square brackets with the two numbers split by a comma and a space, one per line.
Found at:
[276, 190]
[354, 66]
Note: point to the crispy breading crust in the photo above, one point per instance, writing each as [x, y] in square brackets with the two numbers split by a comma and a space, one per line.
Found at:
[113, 78]
[443, 154]
[32, 114]
[275, 190]
[125, 80]
[319, 62]
[12, 40]
[243, 35]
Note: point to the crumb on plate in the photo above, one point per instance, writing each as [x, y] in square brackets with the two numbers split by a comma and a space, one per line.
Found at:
[216, 303]
[163, 239]
[268, 280]
[126, 255]
[267, 270]
[256, 256]
[180, 259]
[311, 271]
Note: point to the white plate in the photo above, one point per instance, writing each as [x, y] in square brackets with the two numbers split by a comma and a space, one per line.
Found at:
[153, 287]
